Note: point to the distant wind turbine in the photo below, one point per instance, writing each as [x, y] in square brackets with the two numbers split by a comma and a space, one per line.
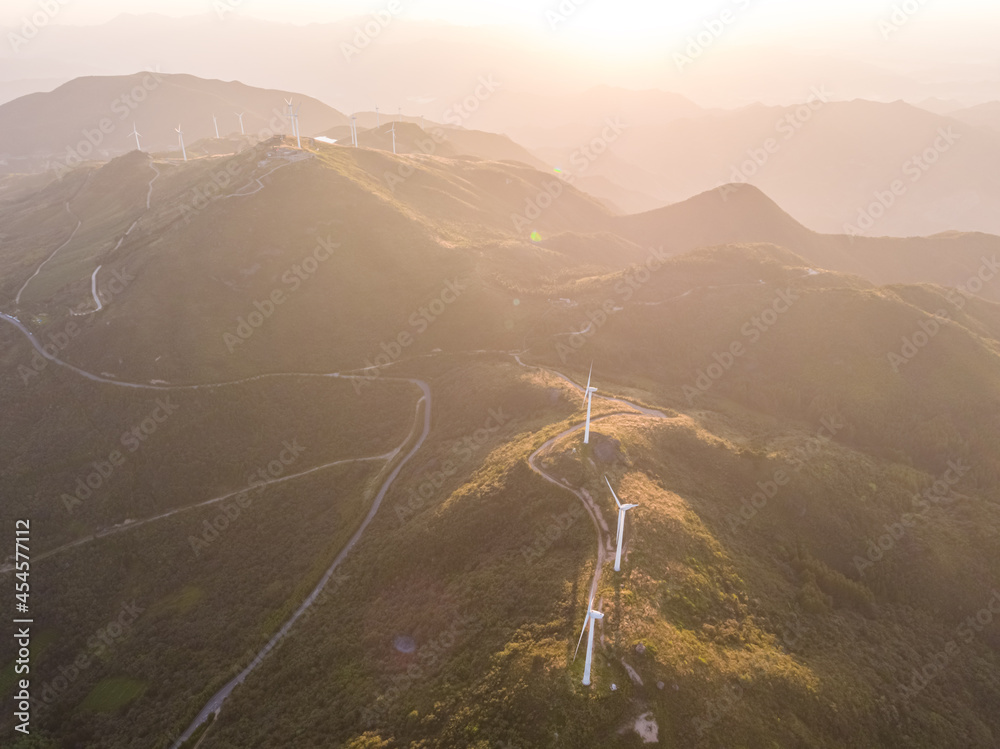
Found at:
[240, 115]
[588, 397]
[291, 115]
[394, 139]
[216, 122]
[136, 134]
[377, 121]
[180, 137]
[622, 509]
[295, 123]
[354, 130]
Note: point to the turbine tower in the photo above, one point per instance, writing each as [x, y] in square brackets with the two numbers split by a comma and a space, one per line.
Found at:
[180, 138]
[216, 123]
[622, 509]
[354, 130]
[290, 114]
[394, 139]
[377, 121]
[295, 124]
[136, 134]
[588, 397]
[588, 620]
[240, 115]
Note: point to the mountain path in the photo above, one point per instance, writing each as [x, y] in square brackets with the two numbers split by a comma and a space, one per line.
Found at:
[79, 223]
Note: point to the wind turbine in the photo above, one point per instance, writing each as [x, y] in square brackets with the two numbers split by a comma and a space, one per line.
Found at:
[295, 124]
[291, 115]
[589, 619]
[240, 115]
[136, 134]
[377, 121]
[354, 129]
[216, 122]
[180, 137]
[622, 509]
[588, 397]
[394, 139]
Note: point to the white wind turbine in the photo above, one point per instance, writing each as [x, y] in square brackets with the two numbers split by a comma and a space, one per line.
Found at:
[136, 134]
[588, 397]
[354, 129]
[377, 121]
[290, 114]
[588, 620]
[394, 139]
[216, 123]
[180, 137]
[622, 509]
[295, 124]
[240, 115]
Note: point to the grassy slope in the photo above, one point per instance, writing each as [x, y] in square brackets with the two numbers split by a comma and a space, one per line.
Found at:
[776, 608]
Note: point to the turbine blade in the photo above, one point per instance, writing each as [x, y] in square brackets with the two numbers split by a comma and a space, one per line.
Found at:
[613, 494]
[586, 620]
[588, 379]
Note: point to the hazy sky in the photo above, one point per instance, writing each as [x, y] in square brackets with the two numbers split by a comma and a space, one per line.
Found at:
[762, 50]
[621, 24]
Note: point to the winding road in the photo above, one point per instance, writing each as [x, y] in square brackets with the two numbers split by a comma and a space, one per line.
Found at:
[79, 223]
[215, 703]
[604, 545]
